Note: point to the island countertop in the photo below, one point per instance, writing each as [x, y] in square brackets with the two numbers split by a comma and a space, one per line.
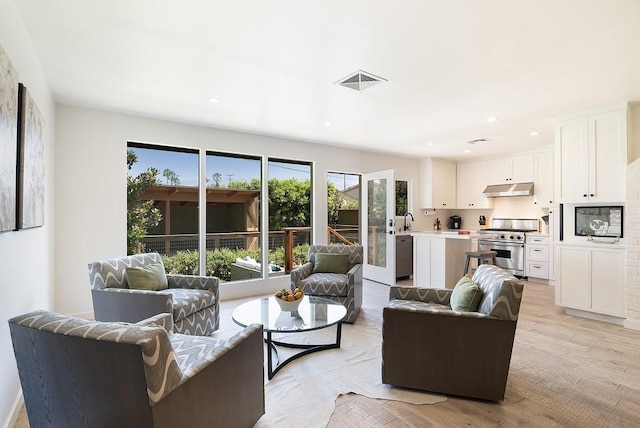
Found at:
[446, 234]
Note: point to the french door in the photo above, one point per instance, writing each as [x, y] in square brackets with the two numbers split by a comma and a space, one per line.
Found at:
[378, 234]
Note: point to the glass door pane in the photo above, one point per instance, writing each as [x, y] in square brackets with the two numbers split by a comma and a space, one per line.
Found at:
[378, 213]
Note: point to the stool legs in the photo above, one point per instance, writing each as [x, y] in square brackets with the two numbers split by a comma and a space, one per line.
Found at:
[482, 258]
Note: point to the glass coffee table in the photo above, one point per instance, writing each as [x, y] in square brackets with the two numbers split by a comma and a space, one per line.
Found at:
[314, 313]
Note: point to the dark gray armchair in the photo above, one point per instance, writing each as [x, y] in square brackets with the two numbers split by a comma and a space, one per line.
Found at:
[426, 345]
[193, 301]
[345, 288]
[79, 373]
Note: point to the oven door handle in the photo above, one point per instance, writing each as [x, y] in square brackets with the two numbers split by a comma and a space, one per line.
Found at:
[502, 244]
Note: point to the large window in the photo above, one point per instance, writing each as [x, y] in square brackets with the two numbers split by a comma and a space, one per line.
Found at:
[289, 212]
[164, 211]
[162, 205]
[234, 186]
[343, 207]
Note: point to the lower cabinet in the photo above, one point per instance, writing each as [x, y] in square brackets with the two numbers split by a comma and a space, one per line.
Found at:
[591, 279]
[438, 262]
[537, 256]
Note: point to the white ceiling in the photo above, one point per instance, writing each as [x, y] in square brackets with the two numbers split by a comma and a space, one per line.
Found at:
[272, 65]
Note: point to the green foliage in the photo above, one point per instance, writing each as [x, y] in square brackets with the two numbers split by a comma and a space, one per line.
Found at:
[171, 176]
[216, 179]
[182, 263]
[141, 214]
[402, 204]
[289, 201]
[300, 253]
[334, 203]
[219, 260]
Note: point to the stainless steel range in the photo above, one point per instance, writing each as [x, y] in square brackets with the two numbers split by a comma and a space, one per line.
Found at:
[506, 238]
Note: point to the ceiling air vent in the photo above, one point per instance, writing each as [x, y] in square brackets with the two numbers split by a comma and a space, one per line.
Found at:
[360, 80]
[478, 140]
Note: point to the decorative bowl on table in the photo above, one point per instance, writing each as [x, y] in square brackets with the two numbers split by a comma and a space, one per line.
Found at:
[289, 300]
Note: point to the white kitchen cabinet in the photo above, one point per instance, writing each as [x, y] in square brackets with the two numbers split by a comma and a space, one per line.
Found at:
[438, 259]
[591, 158]
[591, 279]
[473, 177]
[543, 179]
[537, 256]
[437, 183]
[517, 169]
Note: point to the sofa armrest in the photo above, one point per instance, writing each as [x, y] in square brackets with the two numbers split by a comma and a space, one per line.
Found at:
[354, 270]
[124, 304]
[300, 273]
[210, 283]
[441, 296]
[236, 370]
[163, 320]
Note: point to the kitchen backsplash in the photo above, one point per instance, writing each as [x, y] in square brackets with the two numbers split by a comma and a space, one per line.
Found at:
[509, 207]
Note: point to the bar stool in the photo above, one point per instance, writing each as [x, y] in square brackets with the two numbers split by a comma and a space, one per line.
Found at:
[481, 256]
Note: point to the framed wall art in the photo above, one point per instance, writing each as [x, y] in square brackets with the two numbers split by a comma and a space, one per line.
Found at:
[8, 140]
[31, 129]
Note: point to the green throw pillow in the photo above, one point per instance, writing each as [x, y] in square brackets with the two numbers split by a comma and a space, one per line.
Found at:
[149, 277]
[331, 263]
[466, 295]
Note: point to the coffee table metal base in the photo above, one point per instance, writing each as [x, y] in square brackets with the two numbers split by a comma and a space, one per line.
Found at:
[308, 349]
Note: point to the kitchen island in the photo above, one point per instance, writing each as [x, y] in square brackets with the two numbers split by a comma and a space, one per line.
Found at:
[439, 256]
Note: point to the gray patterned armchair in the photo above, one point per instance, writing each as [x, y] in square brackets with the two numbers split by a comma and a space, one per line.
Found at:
[426, 345]
[79, 373]
[194, 301]
[341, 286]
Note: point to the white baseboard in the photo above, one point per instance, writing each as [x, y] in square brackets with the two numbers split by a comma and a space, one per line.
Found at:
[633, 325]
[596, 317]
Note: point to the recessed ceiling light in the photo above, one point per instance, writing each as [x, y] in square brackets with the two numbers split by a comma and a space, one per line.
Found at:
[534, 133]
[467, 151]
[430, 143]
[327, 123]
[492, 119]
[213, 100]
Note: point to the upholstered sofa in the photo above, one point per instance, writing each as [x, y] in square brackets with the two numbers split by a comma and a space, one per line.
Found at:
[193, 301]
[429, 346]
[344, 286]
[79, 373]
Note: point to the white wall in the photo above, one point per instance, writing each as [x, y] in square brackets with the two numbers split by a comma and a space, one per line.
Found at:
[25, 256]
[91, 180]
[632, 236]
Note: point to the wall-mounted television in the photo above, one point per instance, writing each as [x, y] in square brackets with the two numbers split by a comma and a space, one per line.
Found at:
[604, 221]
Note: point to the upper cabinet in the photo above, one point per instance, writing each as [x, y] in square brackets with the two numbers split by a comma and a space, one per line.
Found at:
[543, 179]
[591, 157]
[437, 183]
[517, 169]
[472, 180]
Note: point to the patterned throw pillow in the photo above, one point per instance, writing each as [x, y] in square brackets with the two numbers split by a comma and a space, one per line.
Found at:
[466, 295]
[149, 277]
[331, 263]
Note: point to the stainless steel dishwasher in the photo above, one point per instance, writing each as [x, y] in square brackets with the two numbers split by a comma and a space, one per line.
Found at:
[404, 256]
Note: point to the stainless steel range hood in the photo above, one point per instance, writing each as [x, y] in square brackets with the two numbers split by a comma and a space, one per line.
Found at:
[512, 189]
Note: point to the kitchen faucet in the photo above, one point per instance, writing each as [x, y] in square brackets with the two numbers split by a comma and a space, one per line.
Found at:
[405, 221]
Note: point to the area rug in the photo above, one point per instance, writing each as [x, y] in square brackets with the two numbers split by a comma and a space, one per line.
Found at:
[303, 393]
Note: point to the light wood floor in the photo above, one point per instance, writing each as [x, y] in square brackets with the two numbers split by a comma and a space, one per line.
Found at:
[565, 372]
